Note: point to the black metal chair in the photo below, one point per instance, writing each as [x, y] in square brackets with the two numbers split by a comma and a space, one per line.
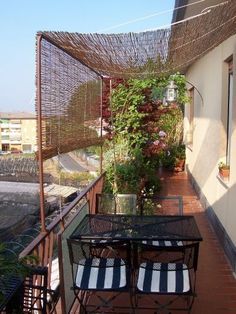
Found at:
[105, 203]
[170, 286]
[116, 203]
[162, 205]
[26, 290]
[94, 277]
[35, 292]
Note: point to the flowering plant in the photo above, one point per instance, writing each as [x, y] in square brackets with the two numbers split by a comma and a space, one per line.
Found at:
[139, 129]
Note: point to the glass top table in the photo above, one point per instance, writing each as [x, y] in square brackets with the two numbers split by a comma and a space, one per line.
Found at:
[136, 227]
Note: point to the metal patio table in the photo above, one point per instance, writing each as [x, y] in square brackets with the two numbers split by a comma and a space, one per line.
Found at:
[137, 228]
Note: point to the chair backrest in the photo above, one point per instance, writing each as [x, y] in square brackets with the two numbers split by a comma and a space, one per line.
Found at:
[191, 252]
[116, 204]
[161, 205]
[79, 251]
[186, 254]
[105, 203]
[126, 204]
[35, 291]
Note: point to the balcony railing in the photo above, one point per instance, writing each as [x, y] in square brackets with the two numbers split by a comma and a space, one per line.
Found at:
[45, 245]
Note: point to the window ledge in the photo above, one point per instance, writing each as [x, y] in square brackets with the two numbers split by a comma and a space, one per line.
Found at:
[224, 182]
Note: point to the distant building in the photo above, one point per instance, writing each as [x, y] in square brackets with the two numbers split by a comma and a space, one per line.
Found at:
[18, 132]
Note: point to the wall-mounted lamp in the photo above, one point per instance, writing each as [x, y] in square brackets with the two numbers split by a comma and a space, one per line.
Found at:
[171, 92]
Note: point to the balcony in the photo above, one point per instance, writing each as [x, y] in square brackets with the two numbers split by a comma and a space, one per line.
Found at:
[5, 125]
[215, 287]
[67, 123]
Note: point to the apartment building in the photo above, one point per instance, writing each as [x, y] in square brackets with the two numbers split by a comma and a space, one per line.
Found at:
[18, 132]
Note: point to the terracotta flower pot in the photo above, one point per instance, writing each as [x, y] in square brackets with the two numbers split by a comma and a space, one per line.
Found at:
[179, 165]
[224, 173]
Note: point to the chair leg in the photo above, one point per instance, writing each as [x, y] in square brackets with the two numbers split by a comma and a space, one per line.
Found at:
[81, 300]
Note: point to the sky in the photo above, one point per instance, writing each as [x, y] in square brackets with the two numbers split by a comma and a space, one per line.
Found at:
[20, 20]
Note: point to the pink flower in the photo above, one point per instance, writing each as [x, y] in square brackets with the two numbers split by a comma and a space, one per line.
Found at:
[163, 145]
[162, 134]
[156, 142]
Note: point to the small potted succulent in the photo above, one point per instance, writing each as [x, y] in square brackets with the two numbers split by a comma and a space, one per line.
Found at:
[224, 170]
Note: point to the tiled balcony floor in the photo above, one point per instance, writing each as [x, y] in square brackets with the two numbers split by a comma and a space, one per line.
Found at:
[216, 285]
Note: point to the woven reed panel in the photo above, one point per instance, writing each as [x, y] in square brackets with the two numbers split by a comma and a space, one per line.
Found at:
[116, 55]
[192, 39]
[72, 64]
[71, 102]
[152, 52]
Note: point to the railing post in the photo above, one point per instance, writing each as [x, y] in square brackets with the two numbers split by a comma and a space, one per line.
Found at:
[39, 132]
[101, 114]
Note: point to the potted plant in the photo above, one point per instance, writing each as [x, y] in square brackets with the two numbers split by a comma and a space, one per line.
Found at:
[179, 158]
[224, 170]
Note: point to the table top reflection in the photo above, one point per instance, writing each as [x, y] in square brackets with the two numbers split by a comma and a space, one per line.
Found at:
[136, 227]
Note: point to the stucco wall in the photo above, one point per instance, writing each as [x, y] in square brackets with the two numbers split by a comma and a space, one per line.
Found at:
[28, 132]
[209, 75]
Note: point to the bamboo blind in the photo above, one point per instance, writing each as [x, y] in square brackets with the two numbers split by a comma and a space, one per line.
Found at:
[73, 64]
[70, 97]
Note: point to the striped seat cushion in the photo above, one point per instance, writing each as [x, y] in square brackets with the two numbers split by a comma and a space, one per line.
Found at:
[101, 274]
[163, 278]
[104, 241]
[101, 241]
[163, 243]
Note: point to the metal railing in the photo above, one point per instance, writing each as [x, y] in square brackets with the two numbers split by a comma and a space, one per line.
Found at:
[44, 246]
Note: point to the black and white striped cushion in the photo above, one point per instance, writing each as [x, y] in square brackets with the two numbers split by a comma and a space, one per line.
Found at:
[101, 241]
[163, 243]
[104, 241]
[101, 273]
[163, 278]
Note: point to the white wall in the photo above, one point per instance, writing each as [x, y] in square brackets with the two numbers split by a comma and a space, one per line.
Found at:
[209, 75]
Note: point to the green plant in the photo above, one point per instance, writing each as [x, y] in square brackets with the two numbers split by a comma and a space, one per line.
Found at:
[171, 157]
[180, 152]
[223, 165]
[75, 179]
[141, 131]
[11, 265]
[171, 123]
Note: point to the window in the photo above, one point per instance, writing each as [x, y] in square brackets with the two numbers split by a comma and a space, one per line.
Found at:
[27, 148]
[229, 109]
[16, 121]
[5, 137]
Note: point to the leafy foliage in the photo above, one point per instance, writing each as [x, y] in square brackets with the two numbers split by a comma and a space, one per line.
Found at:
[11, 265]
[140, 131]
